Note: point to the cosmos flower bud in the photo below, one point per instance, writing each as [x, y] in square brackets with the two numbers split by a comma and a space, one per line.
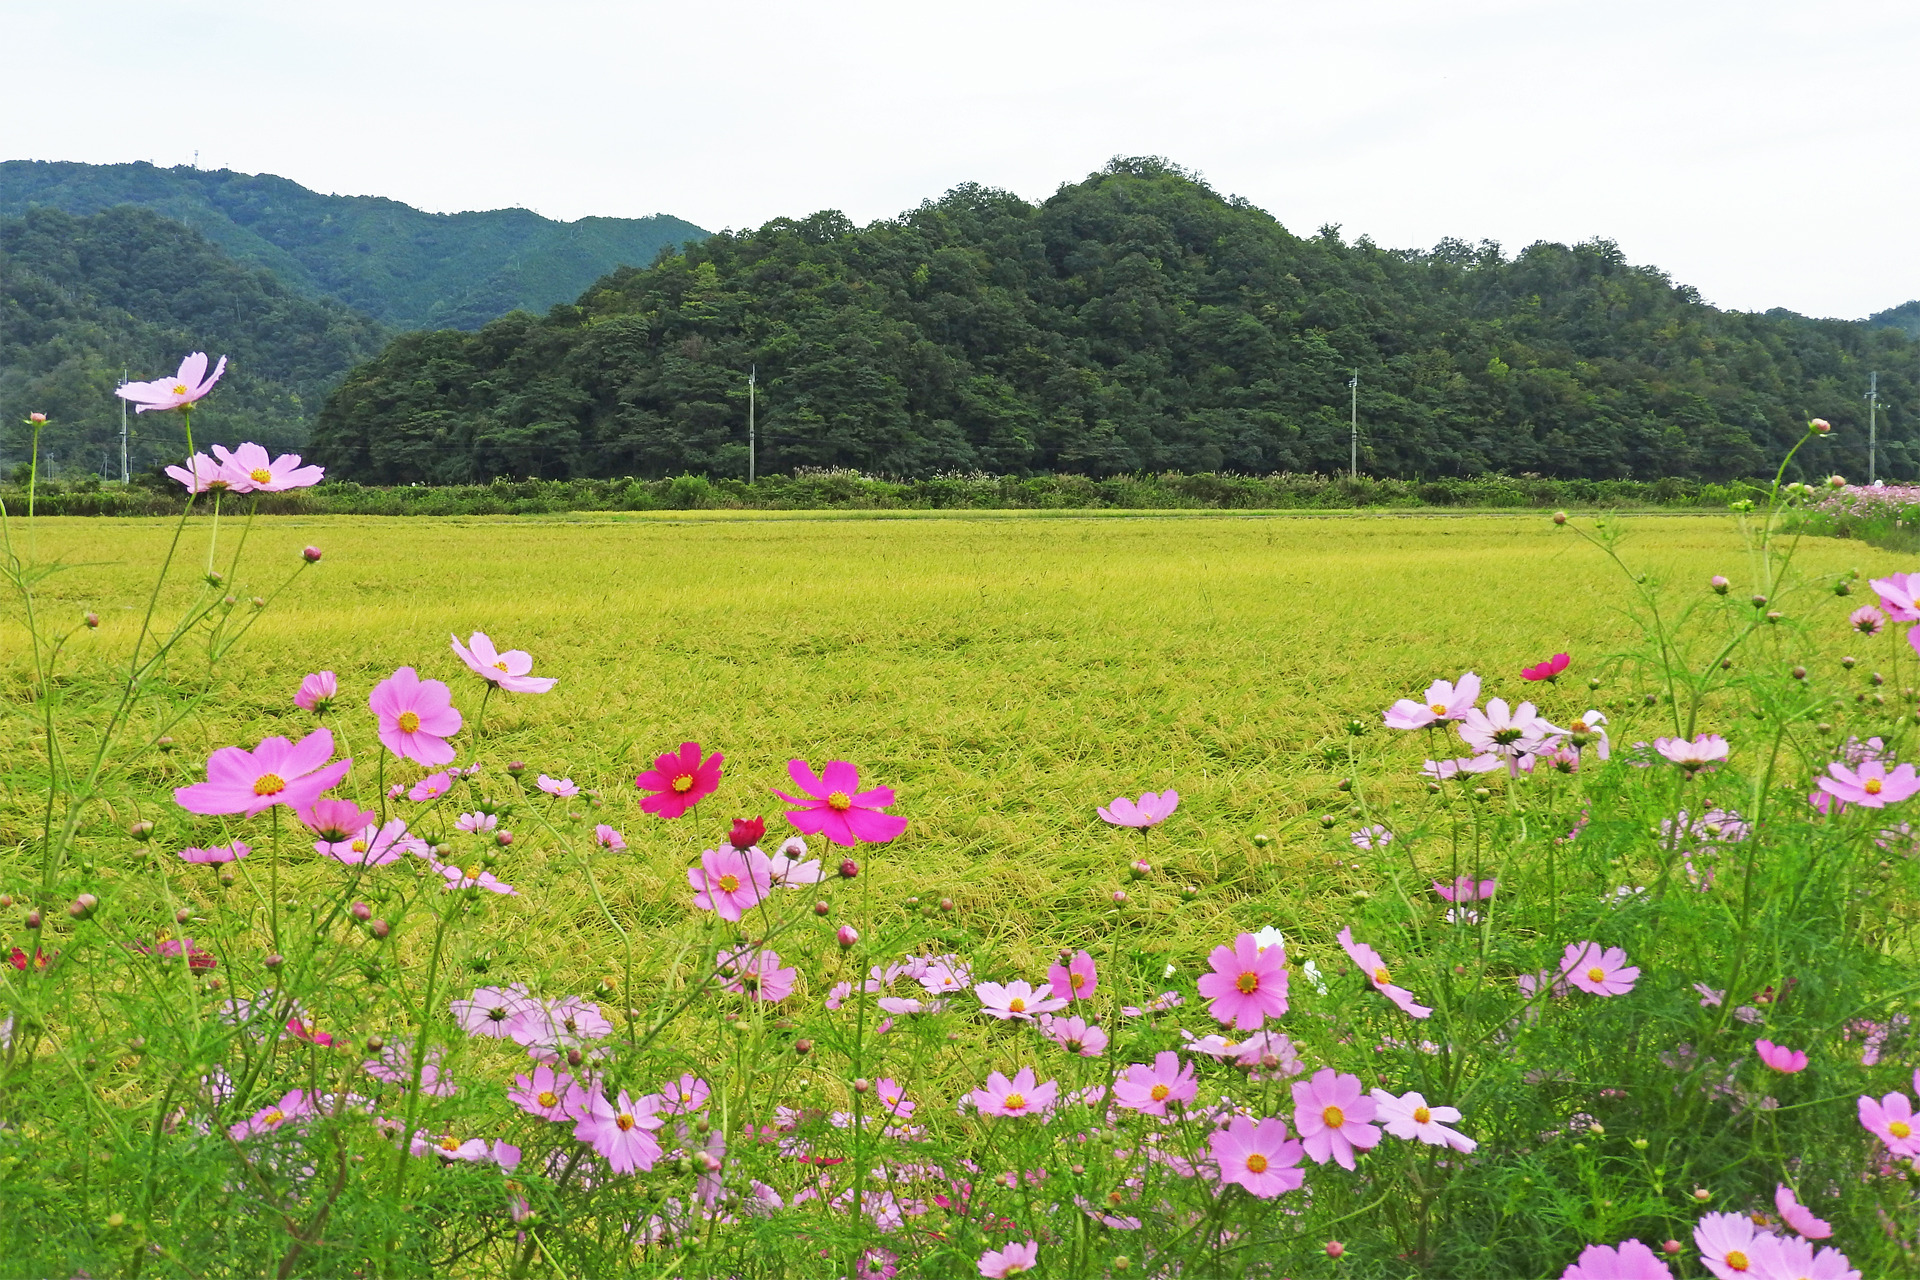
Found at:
[849, 869]
[33, 920]
[83, 906]
[846, 936]
[360, 911]
[1836, 482]
[1843, 588]
[1759, 602]
[821, 908]
[311, 555]
[142, 831]
[516, 767]
[1702, 1195]
[1559, 517]
[802, 1048]
[1335, 1249]
[946, 904]
[92, 620]
[1819, 427]
[183, 915]
[380, 928]
[1719, 584]
[862, 1085]
[747, 832]
[1119, 897]
[274, 961]
[1141, 868]
[503, 838]
[165, 744]
[36, 419]
[1672, 1248]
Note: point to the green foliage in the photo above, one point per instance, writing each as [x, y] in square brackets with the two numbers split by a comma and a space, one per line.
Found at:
[405, 267]
[84, 299]
[1133, 322]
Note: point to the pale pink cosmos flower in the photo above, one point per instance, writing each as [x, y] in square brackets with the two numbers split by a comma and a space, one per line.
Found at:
[1075, 1035]
[249, 471]
[217, 853]
[557, 786]
[374, 846]
[416, 717]
[395, 1066]
[1257, 1155]
[1899, 595]
[1444, 701]
[683, 1096]
[552, 1027]
[1706, 751]
[1589, 730]
[296, 1105]
[201, 475]
[1151, 1090]
[1892, 1121]
[1075, 980]
[1503, 734]
[1333, 1116]
[1790, 1258]
[1596, 971]
[1159, 1004]
[473, 877]
[1150, 811]
[729, 881]
[431, 787]
[1020, 1096]
[1248, 984]
[1798, 1216]
[1444, 770]
[1466, 889]
[476, 822]
[756, 974]
[1867, 620]
[1270, 1051]
[1015, 1001]
[1632, 1260]
[317, 692]
[836, 808]
[1727, 1245]
[187, 386]
[275, 772]
[1408, 1116]
[1779, 1057]
[621, 1131]
[1871, 784]
[490, 1011]
[1015, 1259]
[1374, 966]
[607, 838]
[507, 670]
[1374, 837]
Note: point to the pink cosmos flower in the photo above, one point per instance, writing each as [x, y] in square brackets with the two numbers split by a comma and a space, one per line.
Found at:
[843, 813]
[557, 786]
[1706, 751]
[1374, 967]
[607, 838]
[1899, 595]
[730, 881]
[1466, 889]
[550, 1028]
[1549, 670]
[1075, 1035]
[1150, 811]
[1503, 734]
[1015, 1001]
[1867, 620]
[373, 846]
[1631, 1261]
[621, 1131]
[1870, 784]
[1891, 1120]
[1257, 1155]
[1442, 770]
[416, 717]
[395, 1066]
[336, 820]
[1152, 1090]
[684, 1096]
[476, 823]
[679, 781]
[507, 670]
[201, 475]
[1248, 984]
[1779, 1057]
[1408, 1116]
[249, 471]
[1789, 1258]
[216, 853]
[275, 772]
[297, 1105]
[317, 692]
[431, 787]
[1597, 972]
[550, 1095]
[1075, 980]
[470, 878]
[1333, 1116]
[1015, 1259]
[757, 974]
[490, 1011]
[1798, 1216]
[190, 384]
[1159, 1004]
[1020, 1096]
[1374, 837]
[1726, 1243]
[1444, 701]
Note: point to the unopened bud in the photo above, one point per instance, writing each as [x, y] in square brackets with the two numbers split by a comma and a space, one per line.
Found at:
[1847, 663]
[862, 1085]
[274, 961]
[92, 620]
[375, 1044]
[1119, 897]
[1759, 602]
[946, 904]
[165, 744]
[1190, 891]
[1593, 682]
[821, 908]
[503, 838]
[33, 920]
[1719, 584]
[380, 928]
[1482, 794]
[1261, 840]
[83, 906]
[573, 1057]
[1819, 427]
[1702, 1195]
[1326, 821]
[516, 767]
[1672, 1248]
[1774, 615]
[1843, 588]
[849, 869]
[1876, 679]
[360, 911]
[1798, 673]
[1335, 1249]
[258, 602]
[1559, 517]
[1141, 868]
[142, 831]
[310, 554]
[183, 915]
[847, 935]
[226, 876]
[1121, 1262]
[802, 1048]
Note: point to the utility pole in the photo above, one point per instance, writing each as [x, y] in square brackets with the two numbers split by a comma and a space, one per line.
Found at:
[1353, 386]
[124, 477]
[753, 372]
[1873, 422]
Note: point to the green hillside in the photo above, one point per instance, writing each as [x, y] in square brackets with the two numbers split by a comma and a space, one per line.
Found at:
[84, 298]
[406, 268]
[1136, 321]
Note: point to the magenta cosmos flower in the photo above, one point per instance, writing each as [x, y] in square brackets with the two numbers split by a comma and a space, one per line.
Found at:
[1598, 972]
[1015, 1259]
[1444, 701]
[416, 717]
[1075, 1035]
[190, 384]
[1257, 1155]
[508, 670]
[1548, 670]
[1153, 1089]
[1372, 964]
[1631, 1261]
[1779, 1057]
[729, 881]
[1076, 979]
[1899, 595]
[1870, 784]
[1705, 751]
[842, 812]
[1149, 811]
[1020, 1096]
[1333, 1116]
[621, 1131]
[1891, 1120]
[679, 780]
[1248, 984]
[1798, 1216]
[249, 471]
[317, 692]
[758, 975]
[297, 1105]
[1408, 1116]
[275, 772]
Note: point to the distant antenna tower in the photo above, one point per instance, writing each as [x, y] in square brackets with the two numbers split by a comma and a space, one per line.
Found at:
[1873, 422]
[1353, 386]
[753, 373]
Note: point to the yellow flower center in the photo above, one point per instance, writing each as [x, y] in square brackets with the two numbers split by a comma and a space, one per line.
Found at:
[1077, 980]
[269, 784]
[1596, 974]
[409, 722]
[359, 846]
[1247, 983]
[260, 475]
[1333, 1117]
[1736, 1259]
[548, 1098]
[1159, 1093]
[180, 388]
[1900, 1129]
[729, 884]
[499, 666]
[1421, 1115]
[1438, 708]
[1381, 977]
[840, 801]
[683, 783]
[449, 1144]
[625, 1122]
[1016, 1005]
[1015, 1101]
[1256, 1163]
[1579, 726]
[1871, 786]
[273, 1117]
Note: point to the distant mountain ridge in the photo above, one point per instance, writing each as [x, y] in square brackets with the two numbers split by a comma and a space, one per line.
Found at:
[404, 267]
[1905, 317]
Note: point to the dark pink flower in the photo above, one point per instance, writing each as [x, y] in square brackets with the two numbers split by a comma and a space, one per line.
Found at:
[679, 781]
[1779, 1057]
[508, 670]
[431, 787]
[1257, 1155]
[1153, 1089]
[1075, 1035]
[1151, 810]
[756, 974]
[841, 811]
[1596, 971]
[1075, 980]
[1630, 1261]
[730, 881]
[374, 846]
[608, 838]
[416, 717]
[297, 1105]
[1248, 984]
[336, 820]
[1374, 966]
[1548, 670]
[190, 384]
[275, 772]
[317, 692]
[1333, 1116]
[621, 1131]
[1466, 889]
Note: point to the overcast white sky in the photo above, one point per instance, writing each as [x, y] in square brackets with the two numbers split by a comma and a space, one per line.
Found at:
[1762, 150]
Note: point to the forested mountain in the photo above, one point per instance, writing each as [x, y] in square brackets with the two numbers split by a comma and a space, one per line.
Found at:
[1905, 317]
[83, 299]
[1134, 321]
[406, 268]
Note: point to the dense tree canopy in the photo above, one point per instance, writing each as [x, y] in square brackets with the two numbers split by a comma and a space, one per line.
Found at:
[1134, 321]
